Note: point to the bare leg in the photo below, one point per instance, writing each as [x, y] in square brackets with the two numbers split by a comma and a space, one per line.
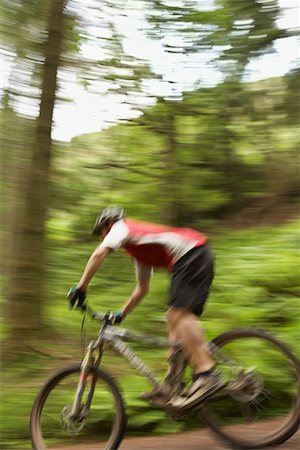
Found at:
[183, 328]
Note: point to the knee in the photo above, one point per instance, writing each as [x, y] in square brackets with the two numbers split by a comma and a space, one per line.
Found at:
[173, 315]
[176, 316]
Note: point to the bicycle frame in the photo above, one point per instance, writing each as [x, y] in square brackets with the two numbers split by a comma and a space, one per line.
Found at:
[115, 339]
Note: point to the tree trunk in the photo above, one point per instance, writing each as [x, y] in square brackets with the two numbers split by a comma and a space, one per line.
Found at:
[170, 177]
[27, 279]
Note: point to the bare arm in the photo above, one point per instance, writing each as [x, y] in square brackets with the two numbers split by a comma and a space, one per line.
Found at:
[93, 265]
[140, 291]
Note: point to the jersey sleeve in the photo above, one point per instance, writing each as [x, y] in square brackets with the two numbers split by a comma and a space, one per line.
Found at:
[117, 236]
[143, 273]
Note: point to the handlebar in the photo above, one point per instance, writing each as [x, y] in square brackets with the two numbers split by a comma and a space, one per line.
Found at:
[101, 317]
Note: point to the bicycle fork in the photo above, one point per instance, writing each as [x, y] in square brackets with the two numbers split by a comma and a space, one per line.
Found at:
[78, 410]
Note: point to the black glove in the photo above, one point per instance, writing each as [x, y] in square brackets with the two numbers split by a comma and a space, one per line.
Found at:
[77, 297]
[116, 317]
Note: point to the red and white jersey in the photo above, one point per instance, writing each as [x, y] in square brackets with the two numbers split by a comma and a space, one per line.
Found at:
[152, 245]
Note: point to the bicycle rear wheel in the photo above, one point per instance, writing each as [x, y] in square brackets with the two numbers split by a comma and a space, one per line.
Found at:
[51, 427]
[262, 408]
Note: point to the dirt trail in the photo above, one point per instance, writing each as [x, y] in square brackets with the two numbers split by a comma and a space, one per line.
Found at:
[193, 440]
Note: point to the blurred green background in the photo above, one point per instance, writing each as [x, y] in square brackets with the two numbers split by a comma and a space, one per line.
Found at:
[171, 110]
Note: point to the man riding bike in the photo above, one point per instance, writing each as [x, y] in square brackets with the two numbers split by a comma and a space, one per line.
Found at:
[185, 253]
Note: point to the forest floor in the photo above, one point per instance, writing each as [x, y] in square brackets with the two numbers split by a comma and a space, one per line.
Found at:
[192, 440]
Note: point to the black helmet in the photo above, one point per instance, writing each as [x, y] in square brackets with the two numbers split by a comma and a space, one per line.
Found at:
[112, 213]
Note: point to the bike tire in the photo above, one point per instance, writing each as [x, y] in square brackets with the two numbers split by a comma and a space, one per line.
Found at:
[118, 422]
[259, 437]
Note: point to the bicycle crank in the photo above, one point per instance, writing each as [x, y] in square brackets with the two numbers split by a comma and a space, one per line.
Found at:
[247, 386]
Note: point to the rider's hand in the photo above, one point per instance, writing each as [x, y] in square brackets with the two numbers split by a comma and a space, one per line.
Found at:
[76, 297]
[116, 317]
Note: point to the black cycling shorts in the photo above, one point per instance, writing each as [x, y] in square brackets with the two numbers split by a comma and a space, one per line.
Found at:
[192, 276]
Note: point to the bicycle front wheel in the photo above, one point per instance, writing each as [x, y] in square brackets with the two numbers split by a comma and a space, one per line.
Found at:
[50, 423]
[261, 405]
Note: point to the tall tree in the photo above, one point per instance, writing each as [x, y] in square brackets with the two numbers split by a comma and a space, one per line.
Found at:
[27, 282]
[233, 33]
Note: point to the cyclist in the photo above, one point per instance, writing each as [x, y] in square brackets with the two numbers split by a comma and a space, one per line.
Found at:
[185, 253]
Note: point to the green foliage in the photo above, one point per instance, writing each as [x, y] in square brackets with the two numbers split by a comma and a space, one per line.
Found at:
[200, 159]
[292, 97]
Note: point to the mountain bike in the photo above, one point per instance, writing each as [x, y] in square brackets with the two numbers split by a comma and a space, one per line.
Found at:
[258, 407]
